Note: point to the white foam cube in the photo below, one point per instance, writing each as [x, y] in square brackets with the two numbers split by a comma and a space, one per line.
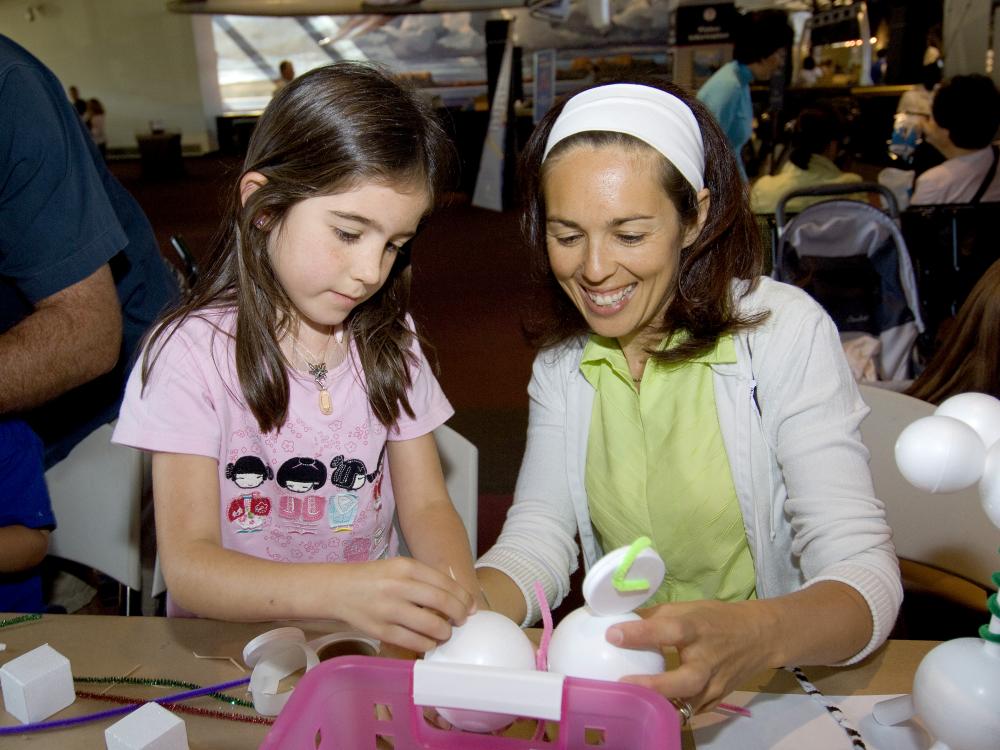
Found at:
[150, 727]
[37, 684]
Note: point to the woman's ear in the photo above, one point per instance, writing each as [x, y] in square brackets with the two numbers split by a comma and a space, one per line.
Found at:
[704, 202]
[249, 183]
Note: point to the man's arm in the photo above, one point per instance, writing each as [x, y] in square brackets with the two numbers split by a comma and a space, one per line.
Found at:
[72, 337]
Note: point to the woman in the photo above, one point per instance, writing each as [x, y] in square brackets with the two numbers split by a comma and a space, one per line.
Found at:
[968, 357]
[815, 145]
[679, 396]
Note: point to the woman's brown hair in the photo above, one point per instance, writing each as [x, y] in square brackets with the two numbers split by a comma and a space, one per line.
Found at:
[325, 132]
[969, 356]
[727, 248]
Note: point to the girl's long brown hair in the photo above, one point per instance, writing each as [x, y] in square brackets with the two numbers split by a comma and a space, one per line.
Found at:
[969, 357]
[325, 132]
[728, 247]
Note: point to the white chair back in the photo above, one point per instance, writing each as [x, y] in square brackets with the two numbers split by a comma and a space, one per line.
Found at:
[460, 461]
[96, 496]
[947, 531]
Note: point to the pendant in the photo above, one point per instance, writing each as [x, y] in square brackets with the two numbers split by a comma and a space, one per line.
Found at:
[325, 402]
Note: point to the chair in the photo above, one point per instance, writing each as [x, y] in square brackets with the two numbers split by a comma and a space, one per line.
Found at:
[460, 462]
[951, 245]
[96, 494]
[946, 545]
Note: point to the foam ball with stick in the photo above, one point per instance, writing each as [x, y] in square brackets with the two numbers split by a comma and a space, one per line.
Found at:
[615, 585]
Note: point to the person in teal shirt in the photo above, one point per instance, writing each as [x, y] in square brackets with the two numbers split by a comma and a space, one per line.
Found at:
[759, 46]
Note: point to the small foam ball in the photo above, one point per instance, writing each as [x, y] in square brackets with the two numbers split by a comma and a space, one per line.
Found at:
[978, 410]
[940, 454]
[956, 690]
[486, 639]
[989, 485]
[579, 648]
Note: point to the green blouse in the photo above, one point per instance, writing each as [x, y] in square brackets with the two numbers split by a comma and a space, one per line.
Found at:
[657, 467]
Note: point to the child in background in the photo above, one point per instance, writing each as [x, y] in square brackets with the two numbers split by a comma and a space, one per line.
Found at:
[25, 518]
[287, 402]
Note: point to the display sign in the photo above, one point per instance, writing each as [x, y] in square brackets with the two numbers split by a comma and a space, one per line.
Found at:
[706, 24]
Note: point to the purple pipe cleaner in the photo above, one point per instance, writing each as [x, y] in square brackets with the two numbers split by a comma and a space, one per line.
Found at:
[111, 712]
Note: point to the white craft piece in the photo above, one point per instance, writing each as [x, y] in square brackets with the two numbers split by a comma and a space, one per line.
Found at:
[955, 693]
[940, 454]
[281, 652]
[150, 727]
[487, 639]
[37, 684]
[956, 689]
[579, 647]
[978, 410]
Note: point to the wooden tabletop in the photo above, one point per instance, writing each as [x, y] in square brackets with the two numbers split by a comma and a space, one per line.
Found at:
[157, 647]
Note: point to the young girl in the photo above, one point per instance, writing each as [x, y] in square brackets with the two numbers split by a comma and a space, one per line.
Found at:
[292, 358]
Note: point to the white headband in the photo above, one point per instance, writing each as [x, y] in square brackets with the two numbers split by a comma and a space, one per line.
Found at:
[655, 117]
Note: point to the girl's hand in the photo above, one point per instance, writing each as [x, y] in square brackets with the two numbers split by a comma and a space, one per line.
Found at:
[720, 645]
[402, 602]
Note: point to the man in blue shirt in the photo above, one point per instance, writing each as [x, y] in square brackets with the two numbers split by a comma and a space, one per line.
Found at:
[759, 44]
[81, 275]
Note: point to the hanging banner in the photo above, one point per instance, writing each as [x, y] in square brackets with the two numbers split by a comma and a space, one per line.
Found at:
[544, 73]
[489, 181]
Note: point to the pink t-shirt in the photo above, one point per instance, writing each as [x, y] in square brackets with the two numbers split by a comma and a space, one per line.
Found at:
[318, 489]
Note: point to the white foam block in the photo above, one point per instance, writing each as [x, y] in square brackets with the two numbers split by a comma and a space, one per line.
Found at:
[150, 727]
[37, 684]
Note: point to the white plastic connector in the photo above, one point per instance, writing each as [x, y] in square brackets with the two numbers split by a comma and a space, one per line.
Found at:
[517, 692]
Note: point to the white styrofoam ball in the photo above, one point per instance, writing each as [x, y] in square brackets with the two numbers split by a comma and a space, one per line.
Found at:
[980, 411]
[989, 485]
[486, 639]
[579, 649]
[940, 454]
[956, 690]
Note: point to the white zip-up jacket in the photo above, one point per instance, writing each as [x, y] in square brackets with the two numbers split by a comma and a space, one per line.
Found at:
[789, 412]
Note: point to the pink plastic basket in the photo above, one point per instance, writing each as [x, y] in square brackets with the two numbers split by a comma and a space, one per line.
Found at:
[333, 707]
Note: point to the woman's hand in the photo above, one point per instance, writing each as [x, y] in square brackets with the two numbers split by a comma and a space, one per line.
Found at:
[720, 645]
[401, 601]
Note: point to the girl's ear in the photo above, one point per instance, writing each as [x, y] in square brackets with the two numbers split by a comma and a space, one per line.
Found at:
[249, 183]
[692, 232]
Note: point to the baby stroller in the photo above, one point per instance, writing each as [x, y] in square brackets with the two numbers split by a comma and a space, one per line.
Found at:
[851, 257]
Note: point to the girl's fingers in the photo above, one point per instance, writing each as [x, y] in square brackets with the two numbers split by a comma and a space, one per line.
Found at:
[436, 578]
[448, 607]
[426, 622]
[405, 638]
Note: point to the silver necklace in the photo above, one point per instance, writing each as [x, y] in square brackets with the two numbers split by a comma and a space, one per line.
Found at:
[317, 366]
